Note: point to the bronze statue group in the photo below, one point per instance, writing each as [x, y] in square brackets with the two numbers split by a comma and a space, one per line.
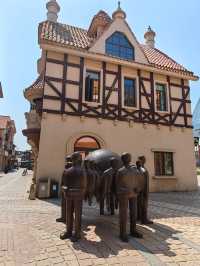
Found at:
[110, 179]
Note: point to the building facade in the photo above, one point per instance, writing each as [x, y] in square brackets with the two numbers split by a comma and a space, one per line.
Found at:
[101, 88]
[7, 147]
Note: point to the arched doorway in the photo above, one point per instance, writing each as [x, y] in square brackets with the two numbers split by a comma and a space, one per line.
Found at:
[86, 144]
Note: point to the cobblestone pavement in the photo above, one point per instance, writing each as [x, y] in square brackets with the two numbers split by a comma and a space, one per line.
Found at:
[29, 234]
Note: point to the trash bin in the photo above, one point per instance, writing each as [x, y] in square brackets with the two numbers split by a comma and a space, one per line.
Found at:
[44, 188]
[54, 189]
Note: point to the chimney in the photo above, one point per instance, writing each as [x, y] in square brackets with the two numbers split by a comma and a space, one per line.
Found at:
[53, 9]
[149, 37]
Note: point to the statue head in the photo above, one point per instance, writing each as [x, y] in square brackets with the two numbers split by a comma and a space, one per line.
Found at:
[76, 159]
[142, 160]
[138, 164]
[126, 158]
[114, 163]
[68, 159]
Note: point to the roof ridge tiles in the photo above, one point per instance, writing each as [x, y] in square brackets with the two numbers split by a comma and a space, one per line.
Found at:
[169, 57]
[63, 24]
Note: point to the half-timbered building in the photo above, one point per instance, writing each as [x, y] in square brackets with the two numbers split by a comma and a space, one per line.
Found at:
[101, 88]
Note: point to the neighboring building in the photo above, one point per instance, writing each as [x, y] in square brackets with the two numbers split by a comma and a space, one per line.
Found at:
[101, 88]
[7, 147]
[24, 155]
[196, 131]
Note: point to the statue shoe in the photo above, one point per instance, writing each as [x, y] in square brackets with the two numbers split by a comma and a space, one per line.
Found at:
[124, 238]
[112, 212]
[65, 235]
[147, 222]
[60, 220]
[75, 238]
[136, 234]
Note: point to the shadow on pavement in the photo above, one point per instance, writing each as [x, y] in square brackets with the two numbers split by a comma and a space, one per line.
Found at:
[53, 201]
[100, 233]
[101, 239]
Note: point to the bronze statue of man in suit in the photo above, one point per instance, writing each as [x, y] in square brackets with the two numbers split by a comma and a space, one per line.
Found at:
[62, 219]
[91, 181]
[144, 194]
[109, 186]
[74, 187]
[127, 185]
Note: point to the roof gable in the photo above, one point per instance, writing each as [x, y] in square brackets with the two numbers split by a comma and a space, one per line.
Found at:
[77, 38]
[102, 20]
[119, 25]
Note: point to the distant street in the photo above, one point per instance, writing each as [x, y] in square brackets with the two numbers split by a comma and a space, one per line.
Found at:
[29, 234]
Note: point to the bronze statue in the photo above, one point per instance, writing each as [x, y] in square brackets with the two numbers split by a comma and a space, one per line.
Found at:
[144, 194]
[100, 164]
[74, 187]
[91, 181]
[105, 175]
[101, 158]
[109, 187]
[62, 219]
[127, 187]
[97, 180]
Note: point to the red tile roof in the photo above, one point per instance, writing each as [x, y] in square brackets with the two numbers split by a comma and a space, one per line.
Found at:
[64, 34]
[78, 38]
[158, 58]
[38, 83]
[36, 89]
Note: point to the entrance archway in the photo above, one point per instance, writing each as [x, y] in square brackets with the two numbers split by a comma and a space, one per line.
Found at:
[86, 144]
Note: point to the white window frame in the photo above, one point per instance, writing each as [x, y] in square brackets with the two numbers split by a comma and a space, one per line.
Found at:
[101, 85]
[167, 96]
[135, 77]
[173, 151]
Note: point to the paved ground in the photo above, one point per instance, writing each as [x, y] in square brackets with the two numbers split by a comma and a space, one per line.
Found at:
[29, 234]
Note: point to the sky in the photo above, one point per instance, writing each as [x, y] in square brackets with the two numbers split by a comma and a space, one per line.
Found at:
[176, 23]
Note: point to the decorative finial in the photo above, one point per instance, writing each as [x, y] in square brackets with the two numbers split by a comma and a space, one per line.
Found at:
[150, 37]
[119, 13]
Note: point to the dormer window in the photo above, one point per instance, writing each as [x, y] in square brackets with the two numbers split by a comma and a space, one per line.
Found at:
[118, 45]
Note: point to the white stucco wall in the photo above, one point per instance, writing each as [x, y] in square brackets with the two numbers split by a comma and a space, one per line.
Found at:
[58, 136]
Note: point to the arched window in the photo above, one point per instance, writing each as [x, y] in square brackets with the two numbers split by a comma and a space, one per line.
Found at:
[86, 144]
[118, 45]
